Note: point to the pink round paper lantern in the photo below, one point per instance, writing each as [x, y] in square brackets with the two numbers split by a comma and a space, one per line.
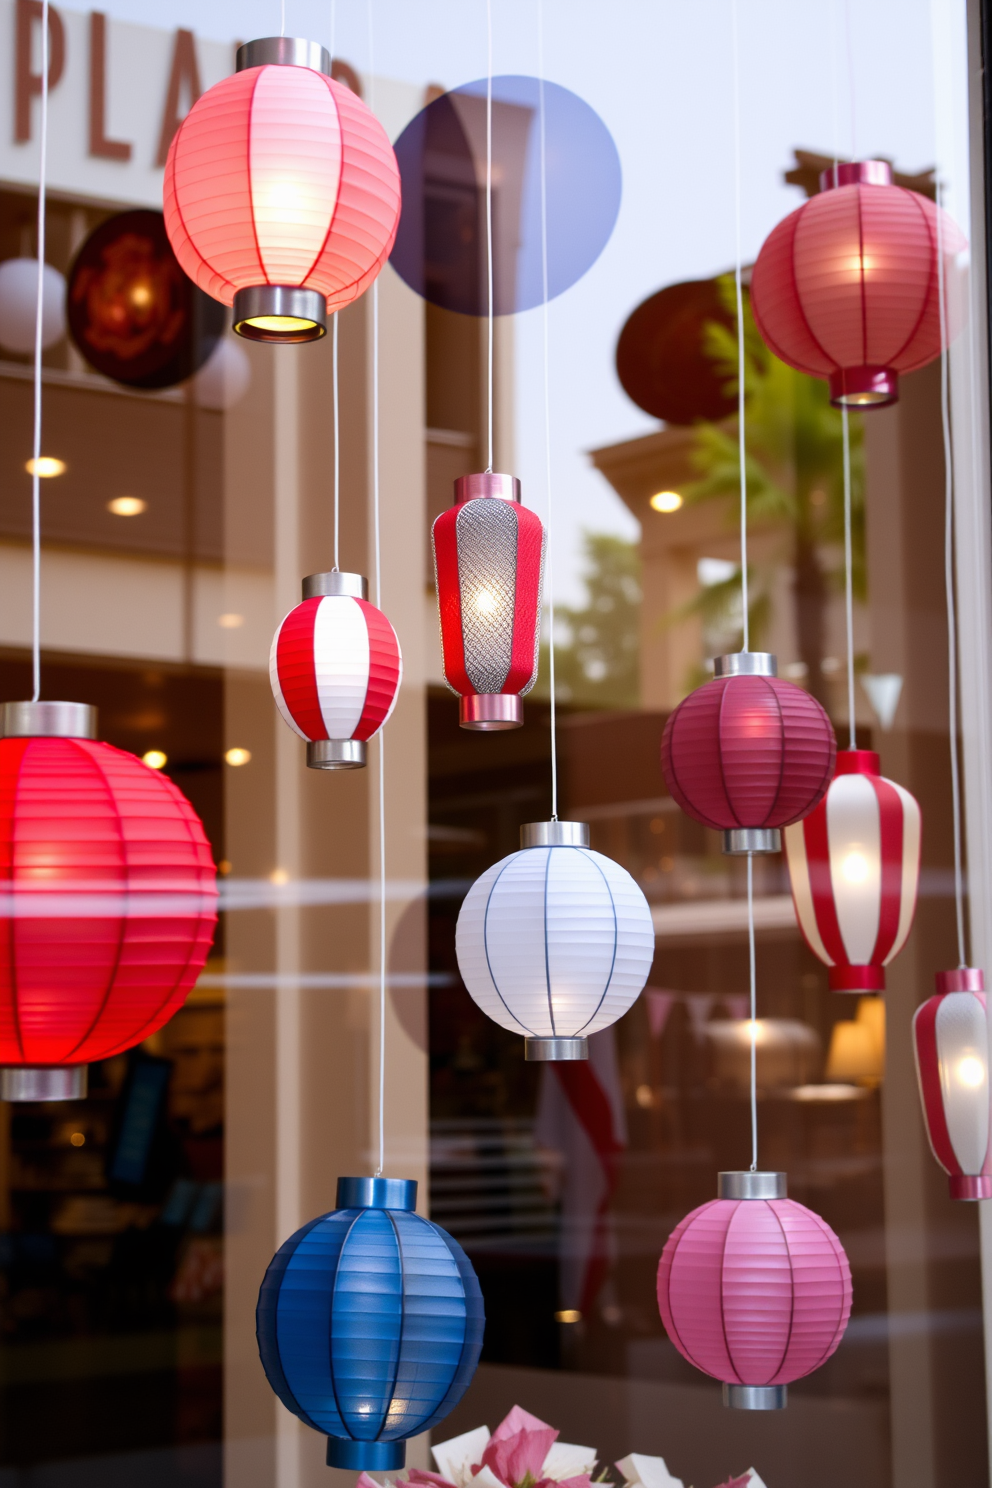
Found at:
[748, 753]
[335, 668]
[754, 1289]
[951, 1043]
[282, 193]
[846, 287]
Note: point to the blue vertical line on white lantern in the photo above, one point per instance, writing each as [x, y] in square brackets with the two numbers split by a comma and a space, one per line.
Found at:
[547, 409]
[547, 953]
[616, 936]
[38, 320]
[489, 218]
[485, 943]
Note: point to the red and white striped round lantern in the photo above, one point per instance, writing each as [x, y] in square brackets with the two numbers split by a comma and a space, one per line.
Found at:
[489, 566]
[335, 668]
[951, 1043]
[854, 865]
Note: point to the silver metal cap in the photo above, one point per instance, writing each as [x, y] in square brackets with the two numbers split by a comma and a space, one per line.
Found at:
[756, 1397]
[549, 1050]
[751, 1185]
[486, 483]
[746, 664]
[377, 1193]
[23, 1083]
[741, 840]
[282, 314]
[554, 834]
[490, 712]
[336, 582]
[283, 51]
[336, 754]
[47, 721]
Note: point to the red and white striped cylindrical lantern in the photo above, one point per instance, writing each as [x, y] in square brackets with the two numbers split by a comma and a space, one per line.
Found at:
[951, 1043]
[854, 865]
[335, 668]
[489, 565]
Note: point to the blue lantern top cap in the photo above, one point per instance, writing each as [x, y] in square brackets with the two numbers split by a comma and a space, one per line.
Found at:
[377, 1193]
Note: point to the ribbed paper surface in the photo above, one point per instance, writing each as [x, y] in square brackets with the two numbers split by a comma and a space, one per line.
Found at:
[335, 668]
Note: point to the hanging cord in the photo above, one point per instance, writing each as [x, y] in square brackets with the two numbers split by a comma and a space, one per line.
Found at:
[489, 215]
[381, 751]
[547, 404]
[746, 636]
[754, 1012]
[282, 18]
[337, 445]
[952, 644]
[38, 320]
[850, 76]
[848, 579]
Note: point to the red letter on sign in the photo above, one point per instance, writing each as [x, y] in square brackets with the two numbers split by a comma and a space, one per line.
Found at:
[27, 84]
[100, 145]
[184, 71]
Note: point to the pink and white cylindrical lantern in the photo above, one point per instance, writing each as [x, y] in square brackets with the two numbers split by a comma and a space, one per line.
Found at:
[854, 865]
[754, 1290]
[335, 668]
[951, 1043]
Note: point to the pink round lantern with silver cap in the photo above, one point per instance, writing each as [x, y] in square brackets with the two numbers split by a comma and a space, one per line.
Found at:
[951, 1044]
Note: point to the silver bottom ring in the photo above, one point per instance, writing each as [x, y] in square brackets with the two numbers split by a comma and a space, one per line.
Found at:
[547, 1049]
[487, 712]
[756, 1397]
[280, 313]
[752, 840]
[336, 754]
[22, 1083]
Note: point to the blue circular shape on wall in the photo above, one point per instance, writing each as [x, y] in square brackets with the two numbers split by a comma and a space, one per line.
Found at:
[440, 248]
[369, 1326]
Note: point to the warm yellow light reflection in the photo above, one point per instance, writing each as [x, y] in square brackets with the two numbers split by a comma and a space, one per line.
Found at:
[141, 295]
[127, 506]
[48, 466]
[283, 325]
[666, 501]
[568, 1315]
[230, 621]
[237, 756]
[855, 867]
[970, 1071]
[279, 876]
[78, 1139]
[155, 759]
[485, 602]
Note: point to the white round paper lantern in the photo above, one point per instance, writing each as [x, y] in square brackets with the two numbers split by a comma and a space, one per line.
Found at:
[224, 378]
[18, 301]
[555, 941]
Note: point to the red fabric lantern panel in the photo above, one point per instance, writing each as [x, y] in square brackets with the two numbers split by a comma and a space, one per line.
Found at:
[748, 752]
[335, 668]
[754, 1292]
[854, 866]
[489, 564]
[108, 896]
[846, 287]
[951, 1043]
[281, 176]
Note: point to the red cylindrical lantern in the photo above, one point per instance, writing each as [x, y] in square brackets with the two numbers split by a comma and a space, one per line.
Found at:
[489, 565]
[282, 193]
[854, 866]
[335, 668]
[754, 1289]
[748, 753]
[951, 1043]
[108, 895]
[846, 287]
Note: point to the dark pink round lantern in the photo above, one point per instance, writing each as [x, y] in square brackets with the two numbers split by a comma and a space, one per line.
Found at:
[754, 1290]
[748, 753]
[846, 287]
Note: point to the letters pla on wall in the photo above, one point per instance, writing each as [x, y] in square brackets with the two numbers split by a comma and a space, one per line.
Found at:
[118, 92]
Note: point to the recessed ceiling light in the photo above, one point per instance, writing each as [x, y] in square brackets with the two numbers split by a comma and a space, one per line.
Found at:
[155, 759]
[666, 501]
[230, 621]
[48, 466]
[127, 506]
[237, 756]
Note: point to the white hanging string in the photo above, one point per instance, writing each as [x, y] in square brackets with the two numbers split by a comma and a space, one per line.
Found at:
[337, 443]
[38, 321]
[549, 576]
[489, 215]
[282, 18]
[952, 646]
[754, 1012]
[381, 750]
[746, 636]
[848, 578]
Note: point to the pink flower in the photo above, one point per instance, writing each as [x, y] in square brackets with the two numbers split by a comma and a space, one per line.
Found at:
[522, 1452]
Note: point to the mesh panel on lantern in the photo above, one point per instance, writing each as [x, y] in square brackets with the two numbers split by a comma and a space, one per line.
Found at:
[486, 533]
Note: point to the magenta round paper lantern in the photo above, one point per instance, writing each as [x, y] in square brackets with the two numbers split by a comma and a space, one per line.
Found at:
[754, 1290]
[748, 753]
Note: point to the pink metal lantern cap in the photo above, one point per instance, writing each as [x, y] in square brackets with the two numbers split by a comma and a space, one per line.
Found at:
[754, 1289]
[856, 172]
[748, 753]
[951, 1045]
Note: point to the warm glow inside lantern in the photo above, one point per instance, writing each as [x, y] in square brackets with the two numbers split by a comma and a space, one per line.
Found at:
[489, 566]
[847, 288]
[951, 1043]
[282, 193]
[854, 866]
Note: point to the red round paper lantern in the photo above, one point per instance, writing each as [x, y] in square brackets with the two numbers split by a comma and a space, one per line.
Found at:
[748, 753]
[951, 1043]
[754, 1289]
[108, 895]
[282, 193]
[489, 566]
[854, 866]
[846, 287]
[335, 668]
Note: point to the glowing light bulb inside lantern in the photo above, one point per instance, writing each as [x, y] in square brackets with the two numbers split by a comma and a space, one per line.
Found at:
[970, 1071]
[855, 867]
[141, 295]
[485, 602]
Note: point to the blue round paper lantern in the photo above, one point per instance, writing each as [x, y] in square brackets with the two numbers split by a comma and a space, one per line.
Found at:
[369, 1323]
